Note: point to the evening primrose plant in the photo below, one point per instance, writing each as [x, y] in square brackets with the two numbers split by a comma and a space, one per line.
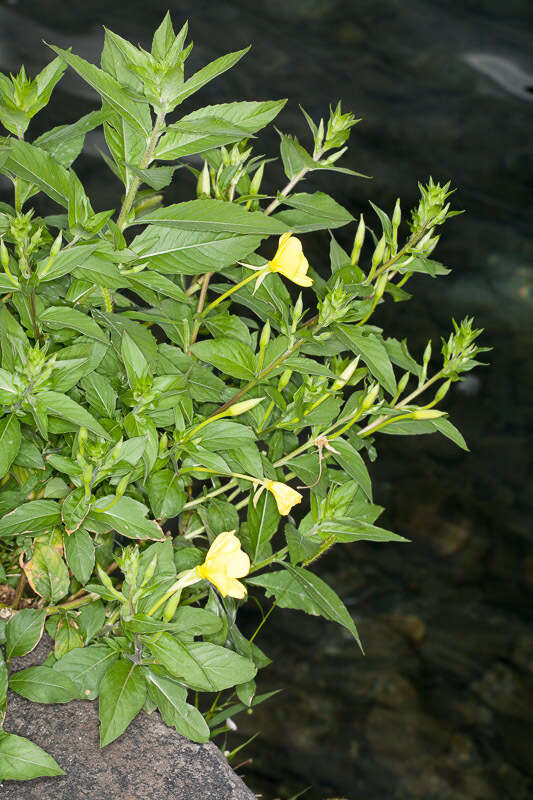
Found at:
[180, 427]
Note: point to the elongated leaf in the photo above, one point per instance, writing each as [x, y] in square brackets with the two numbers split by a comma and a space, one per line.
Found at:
[213, 126]
[38, 167]
[47, 573]
[170, 698]
[108, 88]
[86, 667]
[174, 251]
[313, 212]
[43, 685]
[65, 142]
[10, 439]
[448, 429]
[79, 552]
[373, 353]
[217, 216]
[263, 521]
[32, 517]
[122, 695]
[125, 515]
[64, 407]
[207, 74]
[100, 394]
[65, 262]
[23, 632]
[350, 460]
[22, 760]
[229, 355]
[351, 530]
[203, 666]
[58, 317]
[298, 588]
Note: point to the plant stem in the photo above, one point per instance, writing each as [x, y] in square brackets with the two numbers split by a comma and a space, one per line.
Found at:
[291, 184]
[146, 161]
[200, 307]
[229, 292]
[19, 590]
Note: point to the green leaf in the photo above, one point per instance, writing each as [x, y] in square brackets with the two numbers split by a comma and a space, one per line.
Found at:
[64, 407]
[74, 509]
[63, 263]
[166, 494]
[313, 212]
[229, 355]
[349, 459]
[217, 216]
[79, 552]
[91, 619]
[67, 637]
[203, 666]
[294, 156]
[21, 760]
[23, 632]
[65, 142]
[3, 685]
[300, 589]
[225, 435]
[188, 620]
[122, 695]
[10, 438]
[448, 429]
[47, 573]
[206, 74]
[108, 88]
[136, 365]
[99, 394]
[55, 318]
[351, 530]
[85, 667]
[174, 251]
[213, 126]
[263, 521]
[33, 517]
[170, 698]
[126, 516]
[43, 685]
[36, 166]
[372, 351]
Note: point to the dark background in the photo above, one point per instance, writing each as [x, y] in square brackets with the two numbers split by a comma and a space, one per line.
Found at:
[441, 705]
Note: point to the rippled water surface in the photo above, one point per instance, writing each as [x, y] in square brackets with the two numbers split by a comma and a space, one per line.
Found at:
[441, 706]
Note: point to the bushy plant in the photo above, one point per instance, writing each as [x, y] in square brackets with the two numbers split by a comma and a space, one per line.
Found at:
[163, 383]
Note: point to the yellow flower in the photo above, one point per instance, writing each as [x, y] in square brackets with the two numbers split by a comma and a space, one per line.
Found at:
[285, 496]
[224, 563]
[290, 260]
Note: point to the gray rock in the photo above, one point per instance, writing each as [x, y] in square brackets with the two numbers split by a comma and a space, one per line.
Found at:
[148, 762]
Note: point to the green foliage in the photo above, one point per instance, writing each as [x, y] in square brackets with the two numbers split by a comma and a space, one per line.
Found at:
[154, 406]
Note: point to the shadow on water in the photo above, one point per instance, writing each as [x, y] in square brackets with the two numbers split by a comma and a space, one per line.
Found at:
[442, 704]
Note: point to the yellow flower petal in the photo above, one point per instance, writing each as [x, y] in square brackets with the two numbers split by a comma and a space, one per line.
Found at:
[285, 496]
[224, 563]
[290, 261]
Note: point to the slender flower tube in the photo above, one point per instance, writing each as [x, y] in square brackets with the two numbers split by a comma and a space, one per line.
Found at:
[285, 496]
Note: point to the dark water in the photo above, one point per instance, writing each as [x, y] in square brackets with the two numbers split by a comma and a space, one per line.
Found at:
[441, 706]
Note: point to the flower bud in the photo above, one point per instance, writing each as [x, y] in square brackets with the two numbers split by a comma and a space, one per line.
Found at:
[345, 375]
[368, 401]
[442, 391]
[427, 413]
[246, 405]
[4, 255]
[379, 252]
[265, 336]
[358, 241]
[284, 379]
[203, 187]
[397, 215]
